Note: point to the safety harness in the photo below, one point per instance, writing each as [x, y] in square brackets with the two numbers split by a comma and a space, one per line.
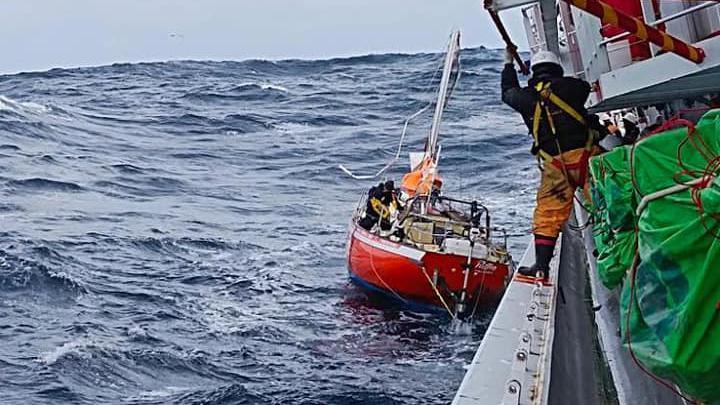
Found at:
[548, 97]
[381, 209]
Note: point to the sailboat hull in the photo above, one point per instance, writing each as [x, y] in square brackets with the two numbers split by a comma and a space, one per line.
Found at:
[418, 277]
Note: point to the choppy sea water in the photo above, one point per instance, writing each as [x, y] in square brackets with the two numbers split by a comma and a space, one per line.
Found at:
[175, 232]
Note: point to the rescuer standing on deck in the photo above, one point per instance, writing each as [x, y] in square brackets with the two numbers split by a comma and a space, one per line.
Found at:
[553, 108]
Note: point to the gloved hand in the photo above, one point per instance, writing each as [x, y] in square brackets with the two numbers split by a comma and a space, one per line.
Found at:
[509, 55]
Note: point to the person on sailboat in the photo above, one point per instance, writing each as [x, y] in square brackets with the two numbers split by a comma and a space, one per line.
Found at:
[373, 209]
[391, 200]
[565, 137]
[390, 196]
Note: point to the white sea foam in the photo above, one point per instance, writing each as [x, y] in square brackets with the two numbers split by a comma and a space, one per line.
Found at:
[292, 128]
[221, 312]
[73, 346]
[8, 104]
[265, 86]
[154, 395]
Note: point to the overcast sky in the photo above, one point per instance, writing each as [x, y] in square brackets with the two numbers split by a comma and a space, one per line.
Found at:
[41, 34]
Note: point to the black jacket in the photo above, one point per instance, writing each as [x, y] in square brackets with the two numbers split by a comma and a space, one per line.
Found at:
[631, 133]
[571, 134]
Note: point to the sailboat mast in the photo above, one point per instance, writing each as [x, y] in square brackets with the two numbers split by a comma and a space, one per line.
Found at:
[450, 58]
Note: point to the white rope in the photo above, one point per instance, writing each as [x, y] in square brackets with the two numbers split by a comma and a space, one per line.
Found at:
[442, 300]
[666, 192]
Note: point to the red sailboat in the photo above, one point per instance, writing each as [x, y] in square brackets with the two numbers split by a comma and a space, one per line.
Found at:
[424, 248]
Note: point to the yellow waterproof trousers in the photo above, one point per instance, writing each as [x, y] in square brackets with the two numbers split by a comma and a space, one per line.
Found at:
[558, 183]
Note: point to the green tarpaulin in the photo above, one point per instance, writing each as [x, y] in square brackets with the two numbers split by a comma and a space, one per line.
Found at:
[615, 214]
[674, 308]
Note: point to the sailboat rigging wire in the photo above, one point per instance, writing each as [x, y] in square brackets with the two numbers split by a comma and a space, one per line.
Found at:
[397, 154]
[396, 157]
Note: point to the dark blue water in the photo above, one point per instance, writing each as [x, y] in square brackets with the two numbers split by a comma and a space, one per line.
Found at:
[174, 232]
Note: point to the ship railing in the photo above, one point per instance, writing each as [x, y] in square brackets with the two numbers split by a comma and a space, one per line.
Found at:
[568, 42]
[655, 23]
[619, 54]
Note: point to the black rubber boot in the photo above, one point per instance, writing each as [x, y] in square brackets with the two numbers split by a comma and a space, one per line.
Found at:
[543, 254]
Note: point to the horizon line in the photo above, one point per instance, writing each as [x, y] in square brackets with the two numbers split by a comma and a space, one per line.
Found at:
[239, 60]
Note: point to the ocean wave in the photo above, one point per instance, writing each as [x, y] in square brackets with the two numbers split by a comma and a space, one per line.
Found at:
[195, 238]
[42, 184]
[18, 274]
[9, 207]
[204, 125]
[292, 128]
[261, 86]
[376, 59]
[72, 348]
[193, 248]
[23, 107]
[244, 92]
[233, 393]
[127, 168]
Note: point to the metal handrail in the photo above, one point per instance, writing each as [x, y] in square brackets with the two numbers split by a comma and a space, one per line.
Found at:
[662, 20]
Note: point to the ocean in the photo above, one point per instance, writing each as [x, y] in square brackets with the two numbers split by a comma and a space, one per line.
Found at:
[175, 232]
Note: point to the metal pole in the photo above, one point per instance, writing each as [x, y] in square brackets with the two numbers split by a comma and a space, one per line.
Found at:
[506, 37]
[460, 307]
[450, 58]
[667, 42]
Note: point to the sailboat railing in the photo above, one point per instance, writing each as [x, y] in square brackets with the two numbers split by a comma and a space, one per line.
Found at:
[414, 208]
